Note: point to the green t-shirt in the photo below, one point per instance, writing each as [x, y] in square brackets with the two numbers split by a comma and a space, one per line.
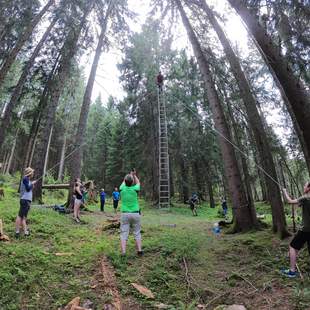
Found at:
[304, 202]
[129, 198]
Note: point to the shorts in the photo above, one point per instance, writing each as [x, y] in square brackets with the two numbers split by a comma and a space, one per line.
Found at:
[130, 220]
[78, 202]
[24, 208]
[300, 239]
[115, 204]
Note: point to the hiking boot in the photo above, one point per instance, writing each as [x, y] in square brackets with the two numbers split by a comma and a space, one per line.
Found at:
[17, 235]
[77, 220]
[27, 233]
[140, 253]
[289, 273]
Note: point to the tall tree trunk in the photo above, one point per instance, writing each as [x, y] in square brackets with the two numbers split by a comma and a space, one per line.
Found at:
[241, 210]
[293, 88]
[76, 160]
[46, 154]
[184, 180]
[8, 168]
[256, 123]
[55, 89]
[62, 159]
[247, 183]
[21, 41]
[6, 120]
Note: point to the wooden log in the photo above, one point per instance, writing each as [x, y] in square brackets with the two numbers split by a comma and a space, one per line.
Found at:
[56, 186]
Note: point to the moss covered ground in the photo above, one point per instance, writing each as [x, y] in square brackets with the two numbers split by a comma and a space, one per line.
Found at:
[185, 264]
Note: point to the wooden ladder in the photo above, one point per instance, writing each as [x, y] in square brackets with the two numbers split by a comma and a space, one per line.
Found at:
[164, 176]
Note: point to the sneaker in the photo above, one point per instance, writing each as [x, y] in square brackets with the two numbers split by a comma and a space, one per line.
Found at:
[140, 253]
[17, 235]
[288, 273]
[77, 220]
[27, 233]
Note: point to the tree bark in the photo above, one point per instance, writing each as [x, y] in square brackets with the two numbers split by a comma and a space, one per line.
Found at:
[242, 212]
[256, 123]
[8, 168]
[293, 88]
[62, 159]
[55, 89]
[46, 154]
[6, 120]
[76, 160]
[184, 180]
[21, 41]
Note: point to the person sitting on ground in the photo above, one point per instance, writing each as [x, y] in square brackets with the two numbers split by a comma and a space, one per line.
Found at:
[25, 202]
[78, 201]
[130, 217]
[102, 200]
[160, 81]
[192, 204]
[115, 196]
[303, 235]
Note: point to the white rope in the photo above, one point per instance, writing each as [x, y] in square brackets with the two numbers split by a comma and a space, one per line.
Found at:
[226, 139]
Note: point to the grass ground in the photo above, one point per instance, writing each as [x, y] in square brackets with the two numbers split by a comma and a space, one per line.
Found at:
[184, 265]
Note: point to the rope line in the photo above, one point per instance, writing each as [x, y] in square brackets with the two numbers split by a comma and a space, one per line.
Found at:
[226, 139]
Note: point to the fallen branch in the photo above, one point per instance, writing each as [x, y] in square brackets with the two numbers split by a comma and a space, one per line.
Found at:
[189, 279]
[215, 298]
[244, 279]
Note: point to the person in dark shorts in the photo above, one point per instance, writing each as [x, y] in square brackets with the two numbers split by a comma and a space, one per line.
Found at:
[224, 206]
[102, 200]
[192, 204]
[25, 202]
[303, 235]
[78, 199]
[115, 196]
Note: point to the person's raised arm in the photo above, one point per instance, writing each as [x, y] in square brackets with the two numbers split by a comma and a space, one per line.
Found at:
[136, 180]
[288, 198]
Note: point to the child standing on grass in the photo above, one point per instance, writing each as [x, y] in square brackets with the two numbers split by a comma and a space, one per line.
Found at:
[25, 202]
[102, 200]
[130, 217]
[303, 235]
[115, 196]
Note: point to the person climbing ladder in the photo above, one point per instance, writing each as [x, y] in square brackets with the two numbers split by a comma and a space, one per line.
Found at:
[160, 81]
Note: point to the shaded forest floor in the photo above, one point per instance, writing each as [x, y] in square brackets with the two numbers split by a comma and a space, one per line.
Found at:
[184, 265]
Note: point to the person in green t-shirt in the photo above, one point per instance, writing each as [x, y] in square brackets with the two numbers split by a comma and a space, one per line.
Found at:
[130, 210]
[303, 235]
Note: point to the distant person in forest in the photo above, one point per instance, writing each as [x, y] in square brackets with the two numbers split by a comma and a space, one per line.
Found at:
[303, 235]
[160, 81]
[25, 202]
[192, 203]
[130, 218]
[102, 200]
[115, 196]
[224, 206]
[78, 199]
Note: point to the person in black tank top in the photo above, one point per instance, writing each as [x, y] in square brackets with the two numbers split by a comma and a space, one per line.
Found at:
[78, 200]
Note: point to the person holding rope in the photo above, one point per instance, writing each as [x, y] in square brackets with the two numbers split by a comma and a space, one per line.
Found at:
[303, 235]
[131, 217]
[25, 202]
